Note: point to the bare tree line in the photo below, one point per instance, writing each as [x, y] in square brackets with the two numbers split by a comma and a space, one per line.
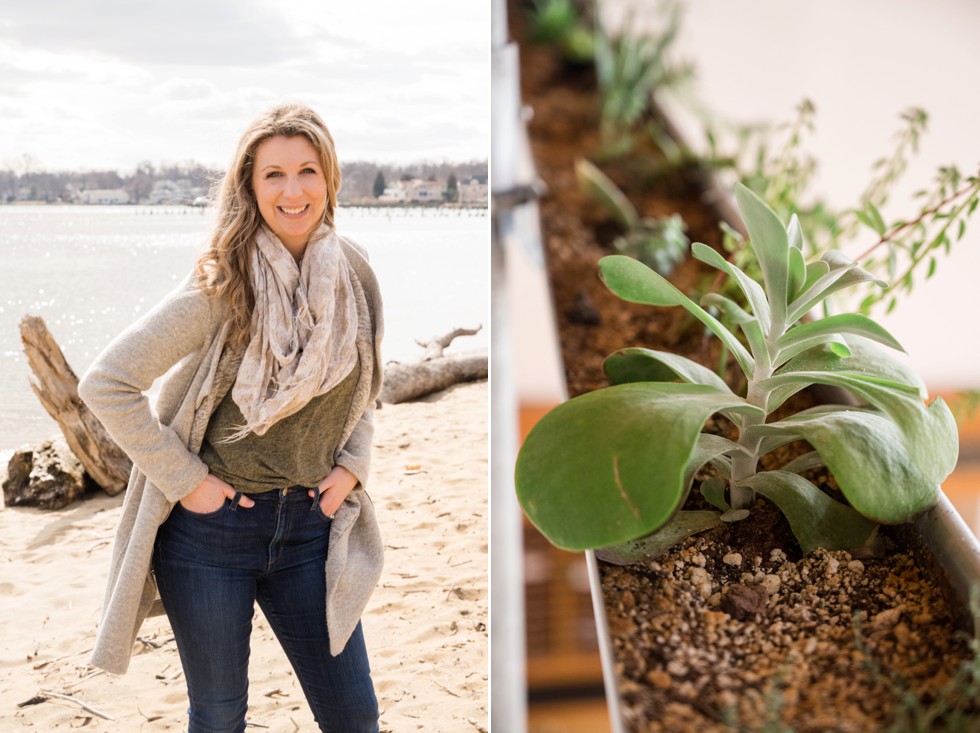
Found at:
[23, 181]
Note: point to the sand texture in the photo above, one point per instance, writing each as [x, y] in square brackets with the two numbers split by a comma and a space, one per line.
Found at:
[426, 625]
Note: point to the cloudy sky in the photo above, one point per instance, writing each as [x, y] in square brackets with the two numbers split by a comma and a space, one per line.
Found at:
[110, 83]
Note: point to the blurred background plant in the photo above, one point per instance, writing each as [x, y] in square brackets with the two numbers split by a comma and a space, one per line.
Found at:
[629, 70]
[660, 243]
[776, 165]
[565, 25]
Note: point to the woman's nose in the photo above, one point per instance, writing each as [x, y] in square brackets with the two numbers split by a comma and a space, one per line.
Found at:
[292, 187]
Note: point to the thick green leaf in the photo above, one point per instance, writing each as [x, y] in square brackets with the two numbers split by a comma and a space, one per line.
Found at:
[815, 270]
[733, 312]
[634, 364]
[633, 281]
[797, 263]
[767, 235]
[646, 365]
[711, 449]
[749, 324]
[775, 434]
[794, 233]
[843, 272]
[713, 491]
[838, 346]
[610, 466]
[754, 294]
[805, 462]
[797, 272]
[874, 466]
[866, 358]
[827, 330]
[815, 518]
[930, 432]
[775, 438]
[679, 528]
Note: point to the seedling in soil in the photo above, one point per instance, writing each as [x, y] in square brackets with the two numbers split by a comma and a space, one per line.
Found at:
[659, 243]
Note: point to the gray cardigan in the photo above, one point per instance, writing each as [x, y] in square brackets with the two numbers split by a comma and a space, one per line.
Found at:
[185, 338]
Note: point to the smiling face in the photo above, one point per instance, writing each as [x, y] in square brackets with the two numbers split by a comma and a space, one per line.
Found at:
[290, 188]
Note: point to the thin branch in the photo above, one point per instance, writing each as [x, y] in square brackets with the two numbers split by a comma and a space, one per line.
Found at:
[443, 687]
[888, 236]
[80, 703]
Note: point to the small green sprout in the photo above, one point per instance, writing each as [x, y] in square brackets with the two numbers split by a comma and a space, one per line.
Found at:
[613, 468]
[658, 243]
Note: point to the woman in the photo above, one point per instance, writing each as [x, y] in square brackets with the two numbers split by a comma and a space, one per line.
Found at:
[249, 472]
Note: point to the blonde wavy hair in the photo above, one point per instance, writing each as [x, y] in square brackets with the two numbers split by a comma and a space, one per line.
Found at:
[223, 269]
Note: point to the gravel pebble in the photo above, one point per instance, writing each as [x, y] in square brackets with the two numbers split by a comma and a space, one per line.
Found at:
[771, 584]
[732, 558]
[887, 618]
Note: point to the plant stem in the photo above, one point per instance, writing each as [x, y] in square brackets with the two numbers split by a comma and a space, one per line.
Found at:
[746, 461]
[888, 236]
[925, 251]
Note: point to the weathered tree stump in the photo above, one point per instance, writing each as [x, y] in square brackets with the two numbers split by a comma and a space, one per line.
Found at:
[56, 386]
[434, 372]
[48, 476]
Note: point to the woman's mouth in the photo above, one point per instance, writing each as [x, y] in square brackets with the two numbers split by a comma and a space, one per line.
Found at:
[293, 211]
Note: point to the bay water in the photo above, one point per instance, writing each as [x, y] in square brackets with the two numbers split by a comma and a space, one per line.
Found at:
[90, 271]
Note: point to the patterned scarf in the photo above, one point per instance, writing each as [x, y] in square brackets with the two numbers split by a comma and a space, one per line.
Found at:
[302, 337]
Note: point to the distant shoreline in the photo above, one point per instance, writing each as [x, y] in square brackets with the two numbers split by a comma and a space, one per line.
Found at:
[357, 203]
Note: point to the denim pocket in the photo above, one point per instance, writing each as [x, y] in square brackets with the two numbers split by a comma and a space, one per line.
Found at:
[318, 510]
[204, 515]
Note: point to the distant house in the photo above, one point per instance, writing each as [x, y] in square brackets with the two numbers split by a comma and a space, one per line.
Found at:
[166, 192]
[415, 191]
[395, 193]
[473, 192]
[103, 196]
[425, 191]
[180, 191]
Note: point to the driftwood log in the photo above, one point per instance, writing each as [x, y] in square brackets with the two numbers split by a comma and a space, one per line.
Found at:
[435, 371]
[56, 386]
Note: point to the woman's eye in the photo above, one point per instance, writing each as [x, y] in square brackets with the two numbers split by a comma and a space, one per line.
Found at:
[273, 174]
[309, 170]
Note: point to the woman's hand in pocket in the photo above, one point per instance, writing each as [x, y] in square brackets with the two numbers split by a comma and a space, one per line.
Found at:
[210, 494]
[334, 489]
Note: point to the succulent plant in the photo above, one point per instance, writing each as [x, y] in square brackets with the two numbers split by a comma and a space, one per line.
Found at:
[612, 468]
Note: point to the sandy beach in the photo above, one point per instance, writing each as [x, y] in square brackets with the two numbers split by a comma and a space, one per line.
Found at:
[426, 625]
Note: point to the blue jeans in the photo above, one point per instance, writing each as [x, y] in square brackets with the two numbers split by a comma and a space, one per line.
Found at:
[211, 568]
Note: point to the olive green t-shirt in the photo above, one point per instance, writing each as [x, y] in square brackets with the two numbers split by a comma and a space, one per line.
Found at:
[296, 451]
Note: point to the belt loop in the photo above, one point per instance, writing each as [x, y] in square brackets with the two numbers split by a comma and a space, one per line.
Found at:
[235, 500]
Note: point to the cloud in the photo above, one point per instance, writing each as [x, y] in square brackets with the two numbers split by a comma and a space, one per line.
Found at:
[165, 82]
[29, 67]
[179, 89]
[204, 102]
[217, 32]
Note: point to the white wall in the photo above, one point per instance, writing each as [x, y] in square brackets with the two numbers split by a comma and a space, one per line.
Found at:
[861, 63]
